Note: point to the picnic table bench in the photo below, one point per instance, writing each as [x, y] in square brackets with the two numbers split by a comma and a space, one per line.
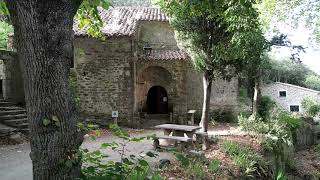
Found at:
[176, 133]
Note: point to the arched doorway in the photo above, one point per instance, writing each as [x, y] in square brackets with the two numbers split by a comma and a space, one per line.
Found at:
[157, 100]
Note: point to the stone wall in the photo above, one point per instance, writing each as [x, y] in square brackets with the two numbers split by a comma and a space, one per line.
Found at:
[105, 79]
[159, 35]
[224, 94]
[295, 94]
[12, 84]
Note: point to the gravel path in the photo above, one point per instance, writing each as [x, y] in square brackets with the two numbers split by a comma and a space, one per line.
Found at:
[15, 163]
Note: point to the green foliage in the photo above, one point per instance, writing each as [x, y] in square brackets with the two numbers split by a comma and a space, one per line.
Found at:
[73, 89]
[281, 175]
[311, 106]
[243, 94]
[223, 115]
[317, 148]
[252, 124]
[294, 12]
[131, 167]
[244, 157]
[88, 17]
[3, 8]
[265, 106]
[184, 161]
[5, 29]
[313, 82]
[278, 133]
[214, 166]
[286, 71]
[194, 166]
[216, 34]
[46, 122]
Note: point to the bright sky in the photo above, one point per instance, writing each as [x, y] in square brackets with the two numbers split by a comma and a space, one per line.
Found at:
[300, 36]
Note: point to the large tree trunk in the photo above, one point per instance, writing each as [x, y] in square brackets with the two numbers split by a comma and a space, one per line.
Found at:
[43, 38]
[257, 94]
[207, 84]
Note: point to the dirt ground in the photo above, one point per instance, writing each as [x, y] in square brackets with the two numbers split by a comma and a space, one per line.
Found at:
[15, 163]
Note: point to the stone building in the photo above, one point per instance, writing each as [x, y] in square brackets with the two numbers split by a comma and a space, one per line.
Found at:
[289, 96]
[137, 70]
[140, 72]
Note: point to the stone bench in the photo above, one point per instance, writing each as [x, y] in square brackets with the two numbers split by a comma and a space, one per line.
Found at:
[183, 140]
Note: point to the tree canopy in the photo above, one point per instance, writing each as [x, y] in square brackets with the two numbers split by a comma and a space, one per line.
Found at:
[219, 36]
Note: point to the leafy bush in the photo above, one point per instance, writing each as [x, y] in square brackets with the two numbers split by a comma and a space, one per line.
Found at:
[214, 166]
[95, 165]
[5, 29]
[223, 115]
[311, 106]
[265, 106]
[244, 157]
[194, 167]
[252, 124]
[278, 134]
[313, 82]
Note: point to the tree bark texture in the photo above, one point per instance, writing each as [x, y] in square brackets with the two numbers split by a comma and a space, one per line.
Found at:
[207, 84]
[44, 37]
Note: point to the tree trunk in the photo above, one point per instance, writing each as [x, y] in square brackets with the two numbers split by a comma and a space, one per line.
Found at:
[207, 84]
[43, 39]
[257, 94]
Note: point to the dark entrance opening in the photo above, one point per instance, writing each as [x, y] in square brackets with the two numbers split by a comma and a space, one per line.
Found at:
[157, 100]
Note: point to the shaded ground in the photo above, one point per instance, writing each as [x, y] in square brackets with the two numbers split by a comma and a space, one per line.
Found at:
[15, 163]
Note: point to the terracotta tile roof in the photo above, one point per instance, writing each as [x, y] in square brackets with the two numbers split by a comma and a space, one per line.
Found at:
[122, 21]
[165, 55]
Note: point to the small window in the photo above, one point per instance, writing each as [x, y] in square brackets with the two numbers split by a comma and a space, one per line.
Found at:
[294, 108]
[282, 93]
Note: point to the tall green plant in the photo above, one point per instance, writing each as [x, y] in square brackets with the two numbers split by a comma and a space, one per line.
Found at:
[130, 167]
[311, 106]
[219, 36]
[5, 29]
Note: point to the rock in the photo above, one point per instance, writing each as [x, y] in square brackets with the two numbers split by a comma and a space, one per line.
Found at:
[164, 162]
[197, 153]
[17, 138]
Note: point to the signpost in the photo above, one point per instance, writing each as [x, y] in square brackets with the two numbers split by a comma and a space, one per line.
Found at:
[115, 115]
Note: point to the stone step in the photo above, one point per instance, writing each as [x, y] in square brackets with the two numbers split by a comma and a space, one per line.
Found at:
[6, 130]
[6, 104]
[21, 126]
[15, 122]
[9, 117]
[9, 108]
[13, 112]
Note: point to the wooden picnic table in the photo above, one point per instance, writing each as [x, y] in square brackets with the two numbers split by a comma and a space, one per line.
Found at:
[176, 130]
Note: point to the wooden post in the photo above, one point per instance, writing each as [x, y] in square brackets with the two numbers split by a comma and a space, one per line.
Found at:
[192, 112]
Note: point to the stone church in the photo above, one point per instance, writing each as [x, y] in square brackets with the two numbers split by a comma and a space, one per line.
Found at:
[138, 70]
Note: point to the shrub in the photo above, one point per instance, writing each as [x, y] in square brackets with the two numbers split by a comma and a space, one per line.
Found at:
[252, 124]
[265, 106]
[244, 157]
[214, 166]
[130, 167]
[223, 115]
[194, 166]
[278, 135]
[311, 106]
[5, 29]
